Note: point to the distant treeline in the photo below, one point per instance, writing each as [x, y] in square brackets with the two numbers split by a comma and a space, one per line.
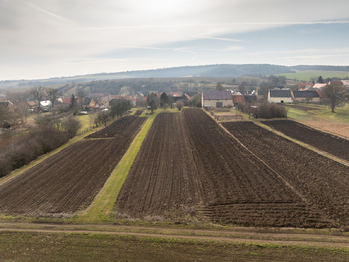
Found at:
[222, 70]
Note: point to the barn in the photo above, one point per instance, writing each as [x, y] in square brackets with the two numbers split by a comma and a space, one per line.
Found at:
[280, 96]
[306, 96]
[216, 99]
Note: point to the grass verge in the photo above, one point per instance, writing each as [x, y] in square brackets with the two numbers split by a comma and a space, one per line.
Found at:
[30, 246]
[101, 208]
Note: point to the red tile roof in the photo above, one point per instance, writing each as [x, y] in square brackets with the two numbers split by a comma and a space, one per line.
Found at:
[66, 100]
[336, 83]
[322, 94]
[305, 84]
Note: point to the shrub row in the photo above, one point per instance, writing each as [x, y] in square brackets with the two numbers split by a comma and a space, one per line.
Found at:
[264, 110]
[20, 150]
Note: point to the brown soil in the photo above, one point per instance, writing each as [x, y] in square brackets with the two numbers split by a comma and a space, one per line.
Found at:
[69, 180]
[332, 144]
[323, 183]
[115, 128]
[188, 161]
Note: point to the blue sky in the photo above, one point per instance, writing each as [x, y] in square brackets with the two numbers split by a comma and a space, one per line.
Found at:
[53, 38]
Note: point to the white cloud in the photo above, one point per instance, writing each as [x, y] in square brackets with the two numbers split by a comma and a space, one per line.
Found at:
[47, 34]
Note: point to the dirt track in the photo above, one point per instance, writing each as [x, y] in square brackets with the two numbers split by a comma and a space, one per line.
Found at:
[323, 182]
[187, 161]
[240, 235]
[69, 180]
[332, 144]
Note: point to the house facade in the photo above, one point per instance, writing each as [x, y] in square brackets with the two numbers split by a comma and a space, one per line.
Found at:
[280, 96]
[216, 99]
[306, 96]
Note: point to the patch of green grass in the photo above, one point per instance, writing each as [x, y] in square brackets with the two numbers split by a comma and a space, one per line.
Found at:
[101, 208]
[298, 114]
[341, 114]
[306, 75]
[30, 246]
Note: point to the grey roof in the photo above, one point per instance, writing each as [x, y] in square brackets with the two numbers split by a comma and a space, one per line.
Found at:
[280, 93]
[305, 94]
[217, 95]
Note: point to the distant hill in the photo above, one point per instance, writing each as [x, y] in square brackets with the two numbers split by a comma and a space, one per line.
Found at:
[222, 70]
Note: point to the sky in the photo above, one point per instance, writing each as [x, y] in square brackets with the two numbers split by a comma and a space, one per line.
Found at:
[56, 38]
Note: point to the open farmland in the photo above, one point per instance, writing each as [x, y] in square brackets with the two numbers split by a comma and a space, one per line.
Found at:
[115, 128]
[69, 180]
[323, 183]
[332, 144]
[187, 161]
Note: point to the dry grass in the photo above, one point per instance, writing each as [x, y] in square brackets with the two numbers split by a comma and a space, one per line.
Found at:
[341, 129]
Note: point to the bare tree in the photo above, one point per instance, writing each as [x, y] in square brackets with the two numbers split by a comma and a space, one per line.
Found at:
[335, 95]
[22, 109]
[5, 114]
[71, 126]
[104, 117]
[242, 88]
[219, 87]
[52, 95]
[81, 94]
[179, 105]
[38, 93]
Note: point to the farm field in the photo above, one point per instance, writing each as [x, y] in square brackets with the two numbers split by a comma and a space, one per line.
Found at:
[188, 162]
[115, 128]
[322, 183]
[307, 75]
[69, 180]
[330, 143]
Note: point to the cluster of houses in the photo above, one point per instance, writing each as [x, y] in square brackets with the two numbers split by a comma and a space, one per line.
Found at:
[307, 92]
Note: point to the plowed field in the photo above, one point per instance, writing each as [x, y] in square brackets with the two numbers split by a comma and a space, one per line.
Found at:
[330, 143]
[115, 128]
[187, 161]
[69, 180]
[322, 182]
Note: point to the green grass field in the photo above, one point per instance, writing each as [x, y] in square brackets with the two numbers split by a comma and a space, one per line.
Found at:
[32, 246]
[324, 113]
[306, 75]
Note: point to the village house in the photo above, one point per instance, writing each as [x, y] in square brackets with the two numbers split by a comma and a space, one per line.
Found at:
[318, 86]
[280, 96]
[92, 103]
[305, 86]
[306, 96]
[336, 83]
[216, 99]
[104, 100]
[238, 99]
[322, 95]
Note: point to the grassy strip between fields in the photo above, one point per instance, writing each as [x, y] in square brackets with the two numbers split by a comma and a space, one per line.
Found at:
[33, 246]
[101, 208]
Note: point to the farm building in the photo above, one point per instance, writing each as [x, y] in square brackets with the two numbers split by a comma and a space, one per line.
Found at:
[306, 96]
[336, 83]
[46, 104]
[280, 96]
[216, 99]
[238, 99]
[305, 86]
